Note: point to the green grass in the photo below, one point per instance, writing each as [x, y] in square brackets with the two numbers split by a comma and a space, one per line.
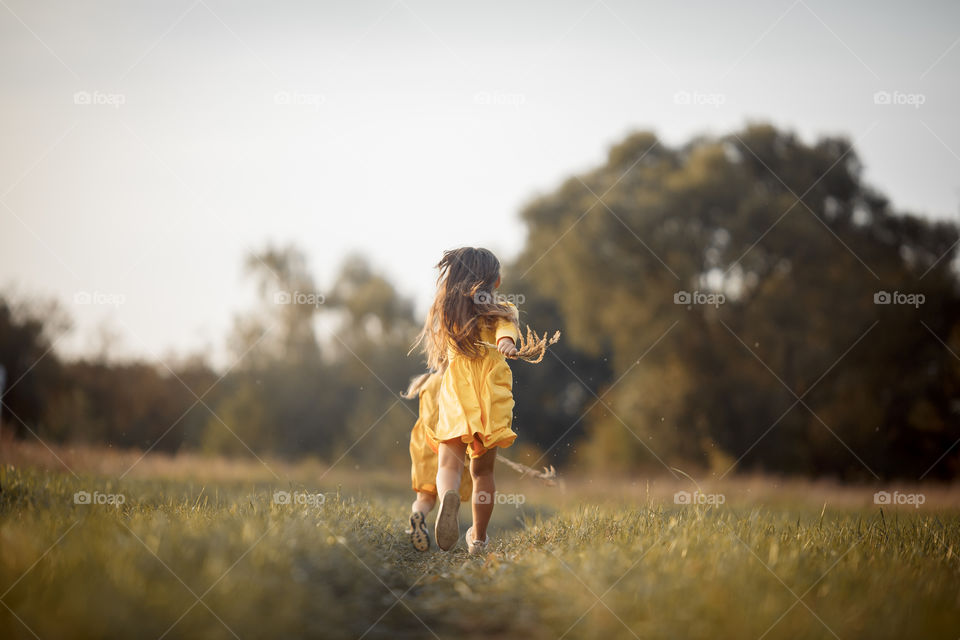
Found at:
[344, 569]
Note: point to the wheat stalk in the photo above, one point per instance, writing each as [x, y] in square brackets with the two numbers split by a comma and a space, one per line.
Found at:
[532, 348]
[548, 475]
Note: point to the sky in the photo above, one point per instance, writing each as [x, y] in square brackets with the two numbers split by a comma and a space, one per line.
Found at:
[148, 147]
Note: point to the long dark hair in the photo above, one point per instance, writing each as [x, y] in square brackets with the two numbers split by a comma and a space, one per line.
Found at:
[463, 306]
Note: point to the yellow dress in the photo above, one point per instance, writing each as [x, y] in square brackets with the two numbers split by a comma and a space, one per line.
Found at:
[476, 394]
[423, 448]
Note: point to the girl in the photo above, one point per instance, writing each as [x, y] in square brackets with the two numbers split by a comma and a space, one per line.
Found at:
[476, 397]
[423, 458]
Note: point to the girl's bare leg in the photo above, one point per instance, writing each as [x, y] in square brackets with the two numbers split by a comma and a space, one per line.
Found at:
[450, 466]
[424, 502]
[446, 530]
[484, 492]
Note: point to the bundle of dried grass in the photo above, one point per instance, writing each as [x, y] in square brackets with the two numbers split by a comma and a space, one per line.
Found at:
[533, 347]
[548, 475]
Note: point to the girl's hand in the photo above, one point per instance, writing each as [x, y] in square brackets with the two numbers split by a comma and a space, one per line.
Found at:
[507, 347]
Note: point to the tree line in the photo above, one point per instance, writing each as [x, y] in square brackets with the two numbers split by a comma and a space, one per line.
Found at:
[743, 302]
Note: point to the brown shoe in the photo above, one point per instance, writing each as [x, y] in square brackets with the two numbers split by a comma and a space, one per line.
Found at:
[419, 537]
[476, 547]
[447, 528]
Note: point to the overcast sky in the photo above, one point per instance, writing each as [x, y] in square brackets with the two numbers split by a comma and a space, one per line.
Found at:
[147, 146]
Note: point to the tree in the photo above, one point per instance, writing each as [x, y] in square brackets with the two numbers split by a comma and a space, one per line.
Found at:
[796, 243]
[28, 331]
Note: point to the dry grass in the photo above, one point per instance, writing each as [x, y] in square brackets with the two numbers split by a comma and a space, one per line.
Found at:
[595, 558]
[550, 487]
[532, 348]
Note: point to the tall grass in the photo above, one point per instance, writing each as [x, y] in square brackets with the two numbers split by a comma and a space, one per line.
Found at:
[221, 560]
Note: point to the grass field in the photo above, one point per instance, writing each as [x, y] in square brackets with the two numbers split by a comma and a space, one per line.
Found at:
[203, 551]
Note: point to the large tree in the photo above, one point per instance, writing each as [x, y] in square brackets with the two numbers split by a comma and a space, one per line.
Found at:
[798, 369]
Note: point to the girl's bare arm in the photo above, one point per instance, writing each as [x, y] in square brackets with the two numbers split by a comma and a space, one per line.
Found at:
[507, 347]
